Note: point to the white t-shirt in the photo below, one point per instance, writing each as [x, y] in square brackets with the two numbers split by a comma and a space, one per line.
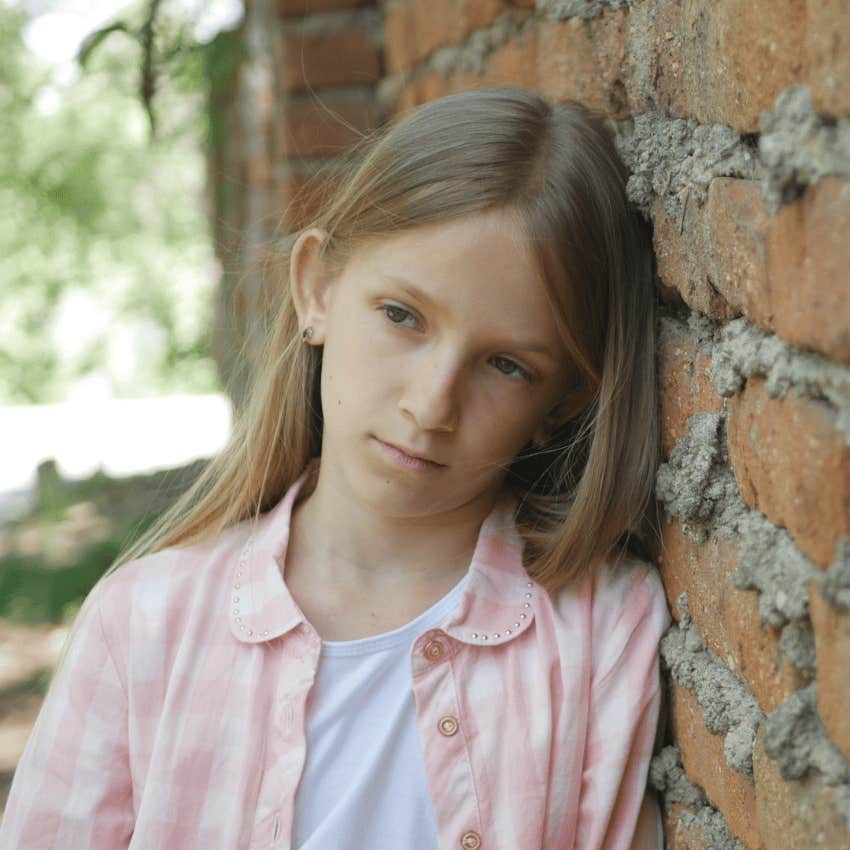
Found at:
[364, 785]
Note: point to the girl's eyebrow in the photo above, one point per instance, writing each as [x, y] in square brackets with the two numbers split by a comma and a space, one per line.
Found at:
[412, 289]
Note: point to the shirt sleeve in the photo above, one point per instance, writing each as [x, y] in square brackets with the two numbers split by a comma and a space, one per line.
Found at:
[72, 787]
[630, 616]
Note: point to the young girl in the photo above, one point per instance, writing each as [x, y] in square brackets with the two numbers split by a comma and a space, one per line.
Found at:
[409, 604]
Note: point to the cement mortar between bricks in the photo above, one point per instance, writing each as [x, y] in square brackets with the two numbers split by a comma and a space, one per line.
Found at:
[836, 581]
[667, 776]
[561, 10]
[470, 55]
[794, 738]
[697, 485]
[729, 708]
[742, 350]
[676, 159]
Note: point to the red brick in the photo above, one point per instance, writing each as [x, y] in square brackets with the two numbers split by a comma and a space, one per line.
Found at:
[792, 464]
[679, 836]
[682, 257]
[400, 50]
[832, 644]
[795, 814]
[810, 257]
[684, 385]
[293, 8]
[514, 63]
[347, 56]
[307, 128]
[727, 618]
[705, 765]
[585, 60]
[416, 29]
[827, 31]
[725, 61]
[786, 273]
[737, 231]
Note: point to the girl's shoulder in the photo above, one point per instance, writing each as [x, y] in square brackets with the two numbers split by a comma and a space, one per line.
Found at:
[620, 609]
[627, 581]
[616, 586]
[629, 611]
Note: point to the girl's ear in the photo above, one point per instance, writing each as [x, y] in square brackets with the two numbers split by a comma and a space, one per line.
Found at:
[309, 282]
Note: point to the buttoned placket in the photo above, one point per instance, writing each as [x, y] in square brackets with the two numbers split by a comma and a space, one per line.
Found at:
[508, 614]
[432, 673]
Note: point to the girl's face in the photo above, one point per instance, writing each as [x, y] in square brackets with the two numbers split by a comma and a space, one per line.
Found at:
[438, 340]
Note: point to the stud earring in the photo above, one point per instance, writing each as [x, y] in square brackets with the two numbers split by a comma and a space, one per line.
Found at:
[307, 333]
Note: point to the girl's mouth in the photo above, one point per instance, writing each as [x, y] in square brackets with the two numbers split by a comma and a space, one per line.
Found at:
[405, 460]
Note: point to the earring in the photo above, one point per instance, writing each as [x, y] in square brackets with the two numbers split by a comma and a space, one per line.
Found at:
[307, 333]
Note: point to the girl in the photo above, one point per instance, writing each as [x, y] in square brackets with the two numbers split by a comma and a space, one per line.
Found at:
[408, 605]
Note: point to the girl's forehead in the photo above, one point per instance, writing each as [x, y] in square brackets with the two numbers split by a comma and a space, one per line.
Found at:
[483, 252]
[479, 276]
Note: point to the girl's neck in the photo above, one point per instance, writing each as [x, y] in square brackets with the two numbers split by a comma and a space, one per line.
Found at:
[344, 544]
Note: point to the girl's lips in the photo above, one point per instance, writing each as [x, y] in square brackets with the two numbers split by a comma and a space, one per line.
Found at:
[405, 460]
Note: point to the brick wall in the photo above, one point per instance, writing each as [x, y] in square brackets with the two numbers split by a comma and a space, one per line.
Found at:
[734, 119]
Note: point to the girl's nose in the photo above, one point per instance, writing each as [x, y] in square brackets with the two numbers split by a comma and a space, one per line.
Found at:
[431, 397]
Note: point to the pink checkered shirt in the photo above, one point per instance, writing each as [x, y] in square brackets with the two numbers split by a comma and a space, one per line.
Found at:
[178, 719]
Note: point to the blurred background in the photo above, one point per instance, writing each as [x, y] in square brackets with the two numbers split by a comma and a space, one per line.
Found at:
[110, 398]
[154, 156]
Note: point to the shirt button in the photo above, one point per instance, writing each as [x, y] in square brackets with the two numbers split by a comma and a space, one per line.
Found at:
[448, 726]
[470, 840]
[433, 650]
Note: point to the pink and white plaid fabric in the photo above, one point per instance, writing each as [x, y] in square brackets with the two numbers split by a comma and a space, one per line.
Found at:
[178, 719]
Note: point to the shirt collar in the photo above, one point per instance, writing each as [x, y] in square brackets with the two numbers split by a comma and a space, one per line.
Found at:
[496, 605]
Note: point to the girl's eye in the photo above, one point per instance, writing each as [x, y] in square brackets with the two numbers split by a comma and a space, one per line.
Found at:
[391, 310]
[398, 316]
[522, 373]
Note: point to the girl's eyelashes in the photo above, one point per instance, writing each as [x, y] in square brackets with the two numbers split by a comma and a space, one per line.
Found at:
[387, 309]
[390, 310]
[524, 374]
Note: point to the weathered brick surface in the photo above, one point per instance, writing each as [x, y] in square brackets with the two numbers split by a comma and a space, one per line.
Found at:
[347, 56]
[727, 618]
[678, 835]
[725, 62]
[832, 644]
[702, 757]
[792, 464]
[415, 30]
[683, 257]
[786, 273]
[827, 32]
[584, 60]
[734, 57]
[514, 63]
[794, 814]
[810, 258]
[736, 228]
[716, 62]
[684, 385]
[307, 128]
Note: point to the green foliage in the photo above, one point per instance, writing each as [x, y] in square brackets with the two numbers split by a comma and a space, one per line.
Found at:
[106, 262]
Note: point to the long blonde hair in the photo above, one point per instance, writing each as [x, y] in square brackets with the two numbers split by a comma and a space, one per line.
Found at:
[585, 495]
